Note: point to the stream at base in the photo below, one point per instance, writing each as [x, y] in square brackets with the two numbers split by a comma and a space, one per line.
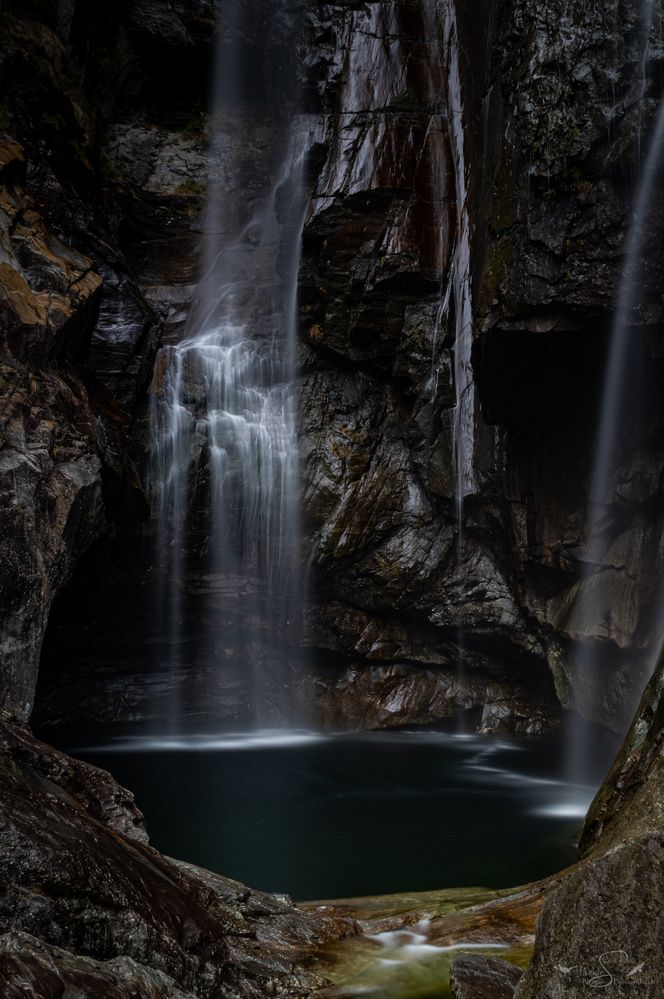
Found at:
[353, 815]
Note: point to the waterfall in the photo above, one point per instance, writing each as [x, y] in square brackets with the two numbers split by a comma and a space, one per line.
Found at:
[463, 419]
[616, 412]
[456, 298]
[224, 450]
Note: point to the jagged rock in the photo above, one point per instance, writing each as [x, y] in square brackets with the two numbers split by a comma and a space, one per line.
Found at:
[97, 792]
[53, 438]
[378, 697]
[185, 24]
[87, 902]
[366, 299]
[30, 967]
[474, 976]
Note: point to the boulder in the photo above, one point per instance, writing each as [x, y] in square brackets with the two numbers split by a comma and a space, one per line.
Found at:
[475, 976]
[601, 929]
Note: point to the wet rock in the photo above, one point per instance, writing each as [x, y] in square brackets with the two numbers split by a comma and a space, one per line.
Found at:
[474, 976]
[630, 802]
[601, 928]
[121, 345]
[54, 441]
[95, 789]
[30, 967]
[558, 223]
[89, 904]
[376, 287]
[185, 24]
[379, 697]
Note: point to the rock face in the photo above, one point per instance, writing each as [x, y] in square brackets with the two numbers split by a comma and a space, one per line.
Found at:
[554, 259]
[477, 109]
[88, 906]
[400, 694]
[602, 928]
[460, 262]
[55, 436]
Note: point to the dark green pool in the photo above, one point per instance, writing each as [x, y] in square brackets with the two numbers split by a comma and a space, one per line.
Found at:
[326, 817]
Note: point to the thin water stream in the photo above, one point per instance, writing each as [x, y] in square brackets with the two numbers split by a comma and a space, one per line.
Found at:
[619, 409]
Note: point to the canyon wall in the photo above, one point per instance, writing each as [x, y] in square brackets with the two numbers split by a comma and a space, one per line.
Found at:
[471, 189]
[530, 121]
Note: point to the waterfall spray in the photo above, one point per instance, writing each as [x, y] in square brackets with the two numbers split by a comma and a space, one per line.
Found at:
[224, 435]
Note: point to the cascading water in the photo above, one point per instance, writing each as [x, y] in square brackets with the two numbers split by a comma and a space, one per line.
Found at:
[440, 28]
[463, 421]
[618, 408]
[224, 462]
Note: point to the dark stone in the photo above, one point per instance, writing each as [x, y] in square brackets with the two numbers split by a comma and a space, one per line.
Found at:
[86, 902]
[55, 438]
[179, 25]
[474, 976]
[28, 967]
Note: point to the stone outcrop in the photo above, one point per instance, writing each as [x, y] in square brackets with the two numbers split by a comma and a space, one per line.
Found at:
[86, 904]
[55, 433]
[600, 928]
[399, 694]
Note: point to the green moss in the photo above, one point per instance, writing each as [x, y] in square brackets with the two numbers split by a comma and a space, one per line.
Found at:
[7, 119]
[196, 123]
[498, 258]
[194, 189]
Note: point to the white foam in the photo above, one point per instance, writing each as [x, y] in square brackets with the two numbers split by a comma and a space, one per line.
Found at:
[236, 741]
[419, 952]
[474, 946]
[413, 944]
[513, 777]
[572, 808]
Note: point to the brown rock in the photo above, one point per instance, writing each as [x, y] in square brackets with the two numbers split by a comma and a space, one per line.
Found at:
[475, 976]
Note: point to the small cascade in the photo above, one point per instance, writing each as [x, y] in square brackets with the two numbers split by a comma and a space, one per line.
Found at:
[619, 410]
[224, 462]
